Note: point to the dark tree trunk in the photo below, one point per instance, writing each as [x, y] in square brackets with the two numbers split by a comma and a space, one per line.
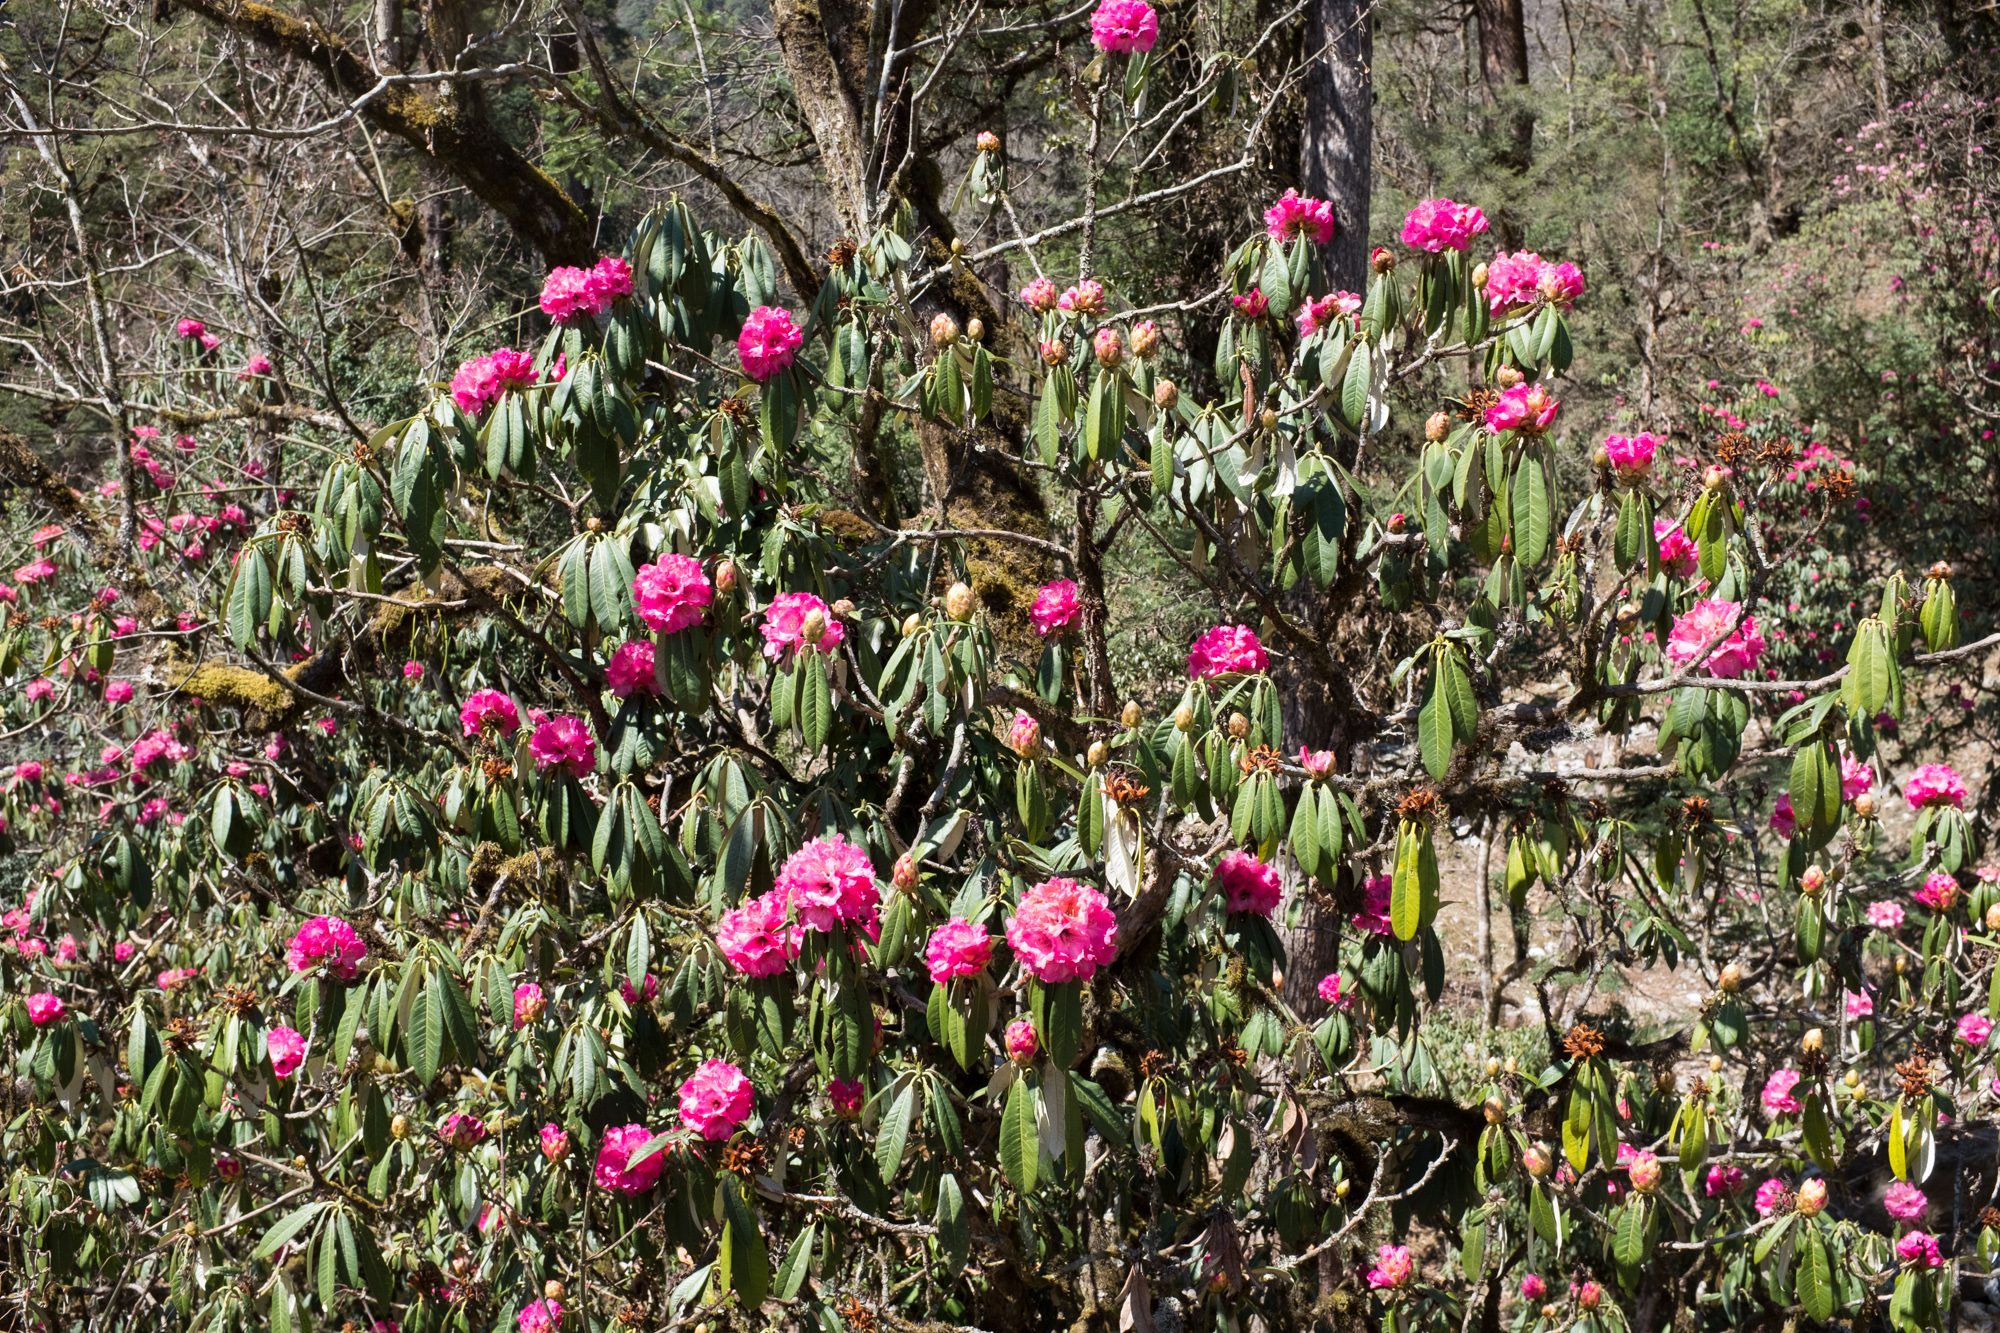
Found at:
[1503, 68]
[1337, 149]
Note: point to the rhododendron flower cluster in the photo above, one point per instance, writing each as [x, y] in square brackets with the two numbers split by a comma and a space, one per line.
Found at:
[1777, 1095]
[630, 670]
[1296, 215]
[1040, 296]
[489, 711]
[1393, 1268]
[480, 381]
[1939, 892]
[1522, 280]
[829, 883]
[1527, 408]
[958, 948]
[1919, 1249]
[542, 1316]
[1373, 918]
[1063, 931]
[1904, 1202]
[565, 744]
[716, 1099]
[759, 939]
[795, 621]
[570, 293]
[1086, 298]
[1120, 27]
[1227, 650]
[1248, 885]
[1737, 643]
[1055, 609]
[1316, 314]
[529, 1003]
[1934, 785]
[44, 1008]
[461, 1131]
[615, 1169]
[1331, 995]
[672, 594]
[1021, 1042]
[1437, 225]
[768, 343]
[328, 943]
[1631, 456]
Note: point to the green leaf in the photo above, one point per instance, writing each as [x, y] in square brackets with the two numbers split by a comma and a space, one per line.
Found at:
[744, 1264]
[1354, 388]
[250, 596]
[1815, 789]
[1815, 1277]
[1434, 729]
[1531, 513]
[792, 1273]
[288, 1226]
[1020, 1143]
[894, 1135]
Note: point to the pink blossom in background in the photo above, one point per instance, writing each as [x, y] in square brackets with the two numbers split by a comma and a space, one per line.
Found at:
[1316, 314]
[1974, 1029]
[758, 938]
[1777, 1095]
[1784, 820]
[413, 670]
[29, 770]
[1252, 304]
[255, 366]
[329, 942]
[1296, 215]
[1063, 931]
[1528, 408]
[829, 883]
[1723, 1182]
[1713, 620]
[1934, 785]
[45, 1008]
[568, 293]
[543, 1316]
[481, 381]
[845, 1096]
[715, 1099]
[1227, 650]
[489, 710]
[173, 978]
[769, 343]
[1533, 1287]
[630, 670]
[1522, 280]
[190, 328]
[614, 1170]
[1884, 915]
[1904, 1202]
[672, 593]
[787, 620]
[1055, 609]
[1770, 1195]
[1248, 885]
[39, 689]
[958, 948]
[287, 1049]
[1373, 917]
[1858, 1005]
[529, 1004]
[118, 691]
[1086, 298]
[1393, 1268]
[1120, 27]
[1855, 777]
[564, 743]
[1330, 993]
[1919, 1249]
[1437, 225]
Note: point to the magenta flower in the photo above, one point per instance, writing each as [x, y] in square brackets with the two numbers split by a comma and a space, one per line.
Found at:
[1533, 1287]
[570, 293]
[1252, 304]
[1330, 993]
[758, 939]
[630, 670]
[845, 1096]
[615, 1170]
[461, 1132]
[1393, 1268]
[795, 621]
[1974, 1029]
[1376, 893]
[555, 1142]
[1631, 456]
[44, 1008]
[564, 742]
[1919, 1249]
[958, 948]
[828, 883]
[1771, 1195]
[480, 381]
[1934, 785]
[529, 1004]
[190, 328]
[715, 1099]
[1315, 315]
[1527, 408]
[1040, 296]
[489, 710]
[1063, 931]
[1120, 27]
[1296, 215]
[672, 593]
[1784, 820]
[1248, 885]
[287, 1049]
[1904, 1202]
[543, 1316]
[1939, 892]
[769, 343]
[1723, 1182]
[1855, 777]
[1055, 609]
[1227, 650]
[1777, 1095]
[1437, 225]
[1086, 298]
[330, 943]
[1021, 1042]
[1738, 644]
[1520, 281]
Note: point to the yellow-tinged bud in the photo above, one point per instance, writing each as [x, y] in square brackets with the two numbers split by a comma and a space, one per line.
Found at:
[553, 1290]
[1813, 1040]
[960, 601]
[1129, 717]
[912, 623]
[1166, 395]
[813, 628]
[1508, 376]
[1479, 276]
[1184, 718]
[1097, 754]
[1437, 427]
[1731, 978]
[1239, 726]
[399, 1127]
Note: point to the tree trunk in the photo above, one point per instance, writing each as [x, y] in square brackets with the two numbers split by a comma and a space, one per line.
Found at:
[1337, 151]
[1503, 68]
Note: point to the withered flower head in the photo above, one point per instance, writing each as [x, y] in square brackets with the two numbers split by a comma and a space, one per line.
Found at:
[1155, 1063]
[1476, 404]
[1263, 759]
[1733, 447]
[1694, 813]
[1583, 1042]
[841, 253]
[1124, 788]
[1837, 484]
[181, 1034]
[1916, 1075]
[746, 1157]
[1989, 1217]
[1555, 791]
[1777, 453]
[239, 999]
[736, 410]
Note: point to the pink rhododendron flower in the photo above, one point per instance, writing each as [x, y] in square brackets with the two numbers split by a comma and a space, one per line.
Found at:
[29, 770]
[1252, 304]
[1974, 1029]
[672, 593]
[1857, 1005]
[1296, 215]
[790, 620]
[1330, 993]
[845, 1096]
[1533, 1287]
[1086, 298]
[1315, 315]
[1021, 1041]
[1784, 820]
[715, 1099]
[1024, 736]
[461, 1132]
[1527, 408]
[1934, 785]
[1631, 456]
[1522, 280]
[1678, 553]
[543, 1316]
[1248, 885]
[1777, 1095]
[190, 328]
[568, 293]
[1437, 225]
[1939, 892]
[480, 381]
[1119, 27]
[1393, 1268]
[1919, 1249]
[1040, 296]
[630, 670]
[44, 1008]
[413, 670]
[1227, 650]
[646, 994]
[1055, 609]
[1723, 1182]
[1771, 1195]
[287, 1049]
[758, 939]
[255, 366]
[35, 571]
[555, 1142]
[615, 1170]
[958, 948]
[529, 1004]
[1373, 917]
[1318, 764]
[328, 942]
[1738, 644]
[172, 978]
[1642, 1169]
[564, 743]
[769, 343]
[1904, 1202]
[118, 692]
[489, 710]
[830, 882]
[1063, 931]
[1884, 915]
[1855, 777]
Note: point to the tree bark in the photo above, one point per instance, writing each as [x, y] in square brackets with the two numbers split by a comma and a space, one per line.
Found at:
[1337, 148]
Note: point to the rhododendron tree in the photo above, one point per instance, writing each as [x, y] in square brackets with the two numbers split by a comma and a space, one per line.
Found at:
[576, 856]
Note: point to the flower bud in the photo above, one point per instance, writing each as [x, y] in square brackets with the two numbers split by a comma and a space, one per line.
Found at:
[1851, 1079]
[399, 1127]
[1054, 352]
[1715, 1064]
[1535, 1161]
[843, 609]
[912, 623]
[191, 1230]
[1129, 716]
[1268, 418]
[1437, 427]
[1166, 396]
[1318, 764]
[1814, 1040]
[1864, 805]
[1184, 718]
[987, 142]
[1714, 477]
[1097, 754]
[1731, 979]
[1145, 339]
[725, 577]
[1024, 736]
[975, 328]
[1492, 1065]
[1644, 1172]
[1239, 726]
[1510, 1066]
[944, 330]
[552, 1290]
[1939, 570]
[813, 628]
[1508, 376]
[1993, 917]
[1340, 1189]
[1589, 1295]
[1021, 1043]
[228, 1167]
[1495, 1110]
[959, 601]
[1382, 260]
[904, 876]
[1811, 1198]
[1812, 881]
[1600, 458]
[1479, 276]
[1628, 615]
[957, 246]
[1109, 347]
[1398, 522]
